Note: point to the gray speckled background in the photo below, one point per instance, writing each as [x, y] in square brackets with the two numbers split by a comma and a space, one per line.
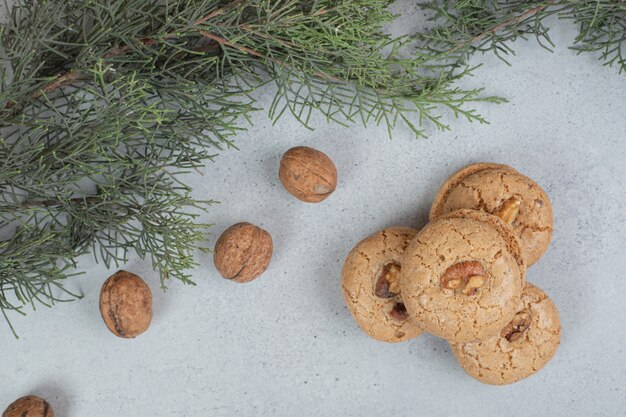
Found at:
[285, 344]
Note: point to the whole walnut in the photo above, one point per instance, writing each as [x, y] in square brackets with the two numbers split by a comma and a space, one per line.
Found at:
[29, 406]
[308, 174]
[126, 304]
[243, 252]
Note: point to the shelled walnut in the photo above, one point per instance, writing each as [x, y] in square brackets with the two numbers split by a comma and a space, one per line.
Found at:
[468, 276]
[516, 328]
[387, 284]
[509, 210]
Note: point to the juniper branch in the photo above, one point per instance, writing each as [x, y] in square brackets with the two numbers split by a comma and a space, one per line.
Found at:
[463, 28]
[104, 104]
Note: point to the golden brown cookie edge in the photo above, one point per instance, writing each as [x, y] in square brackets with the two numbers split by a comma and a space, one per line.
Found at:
[411, 307]
[459, 355]
[346, 275]
[458, 177]
[509, 236]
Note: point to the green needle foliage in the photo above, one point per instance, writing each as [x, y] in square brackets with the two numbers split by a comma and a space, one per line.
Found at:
[104, 104]
[462, 28]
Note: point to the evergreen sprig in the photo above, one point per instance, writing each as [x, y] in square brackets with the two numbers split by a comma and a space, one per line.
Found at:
[105, 103]
[462, 28]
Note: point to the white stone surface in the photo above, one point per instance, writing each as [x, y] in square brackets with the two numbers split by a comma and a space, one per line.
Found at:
[285, 344]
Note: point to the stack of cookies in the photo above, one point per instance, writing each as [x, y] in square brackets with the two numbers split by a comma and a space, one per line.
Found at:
[463, 276]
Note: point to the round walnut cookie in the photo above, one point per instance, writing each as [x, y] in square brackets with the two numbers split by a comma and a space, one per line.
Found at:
[370, 281]
[521, 348]
[504, 192]
[29, 406]
[462, 276]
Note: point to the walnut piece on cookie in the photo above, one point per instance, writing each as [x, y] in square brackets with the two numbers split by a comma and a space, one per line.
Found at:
[462, 276]
[504, 192]
[522, 347]
[371, 285]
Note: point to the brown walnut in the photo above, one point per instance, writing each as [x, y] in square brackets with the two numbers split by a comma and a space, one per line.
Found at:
[399, 312]
[516, 328]
[388, 282]
[466, 277]
[243, 252]
[307, 174]
[29, 406]
[126, 304]
[509, 210]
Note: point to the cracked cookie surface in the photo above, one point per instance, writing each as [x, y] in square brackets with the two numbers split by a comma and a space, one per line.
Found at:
[462, 278]
[370, 283]
[521, 348]
[501, 190]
